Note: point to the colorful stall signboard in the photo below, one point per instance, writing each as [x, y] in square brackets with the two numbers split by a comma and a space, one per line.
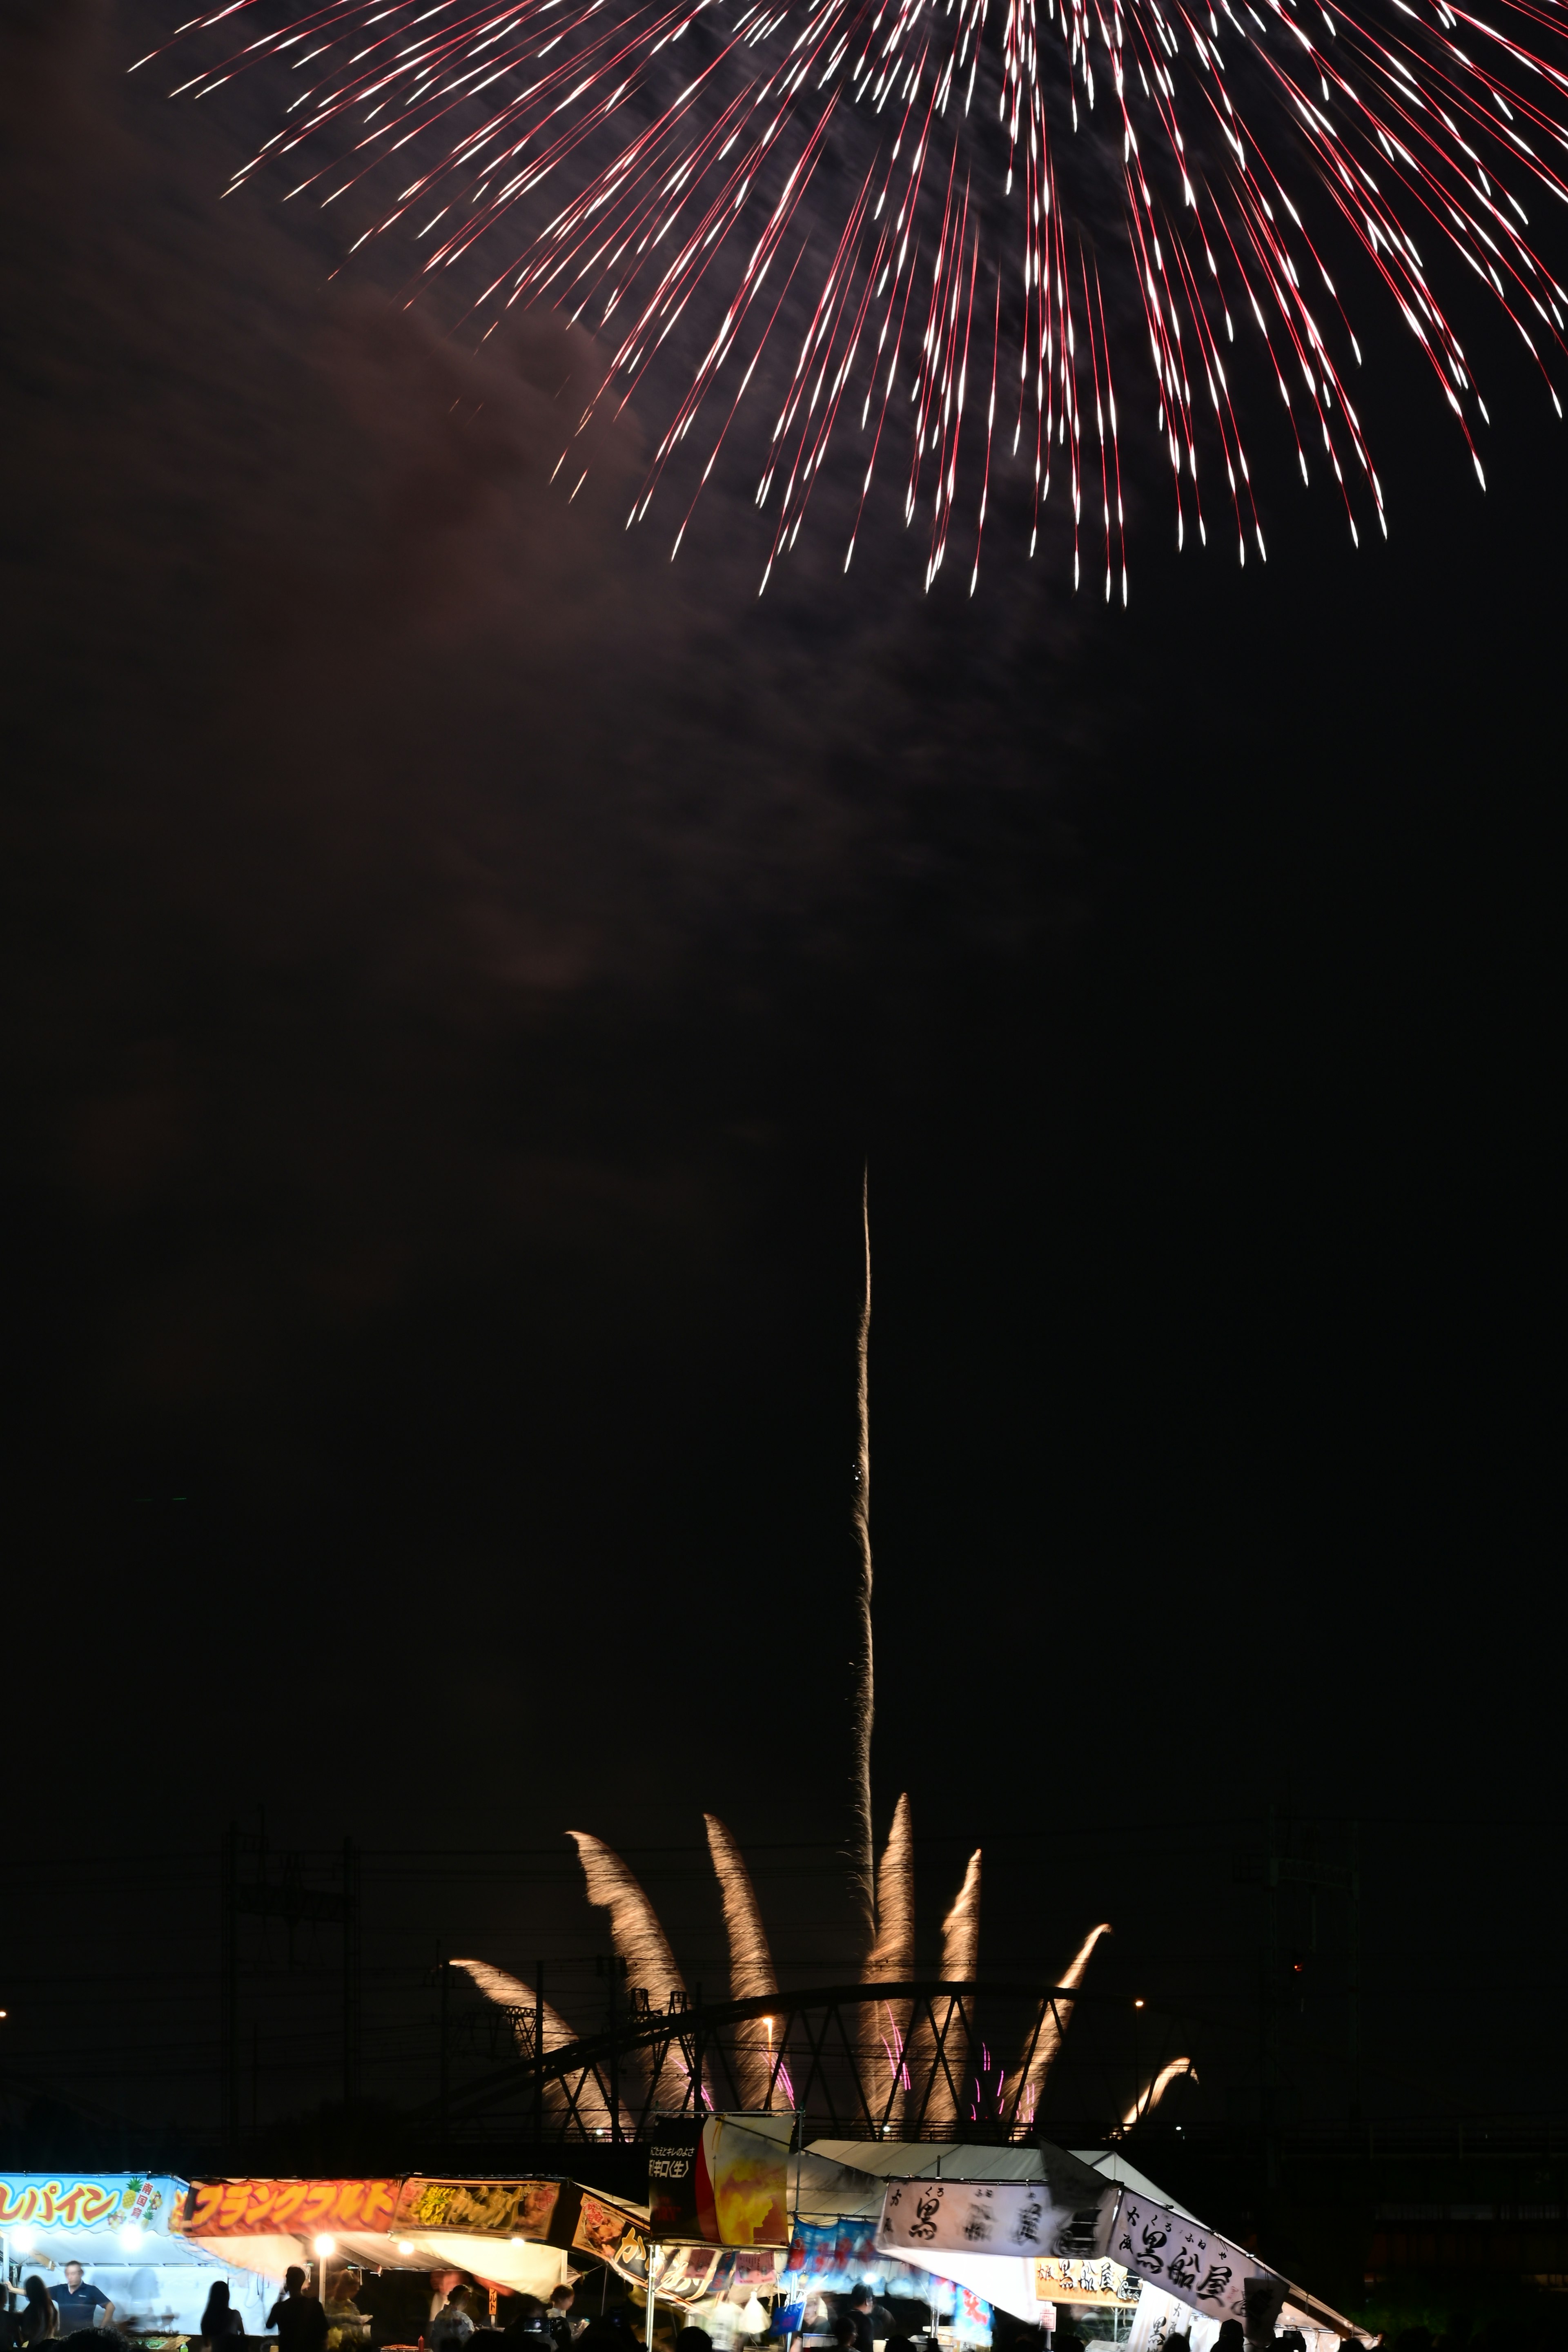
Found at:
[970, 2217]
[483, 2209]
[1196, 2265]
[717, 2183]
[1098, 2285]
[105, 2201]
[828, 2259]
[262, 2208]
[602, 2230]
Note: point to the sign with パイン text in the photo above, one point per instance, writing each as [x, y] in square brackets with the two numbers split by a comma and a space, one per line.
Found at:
[104, 2201]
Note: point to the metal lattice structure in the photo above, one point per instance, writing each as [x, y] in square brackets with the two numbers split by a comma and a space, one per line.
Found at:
[860, 2060]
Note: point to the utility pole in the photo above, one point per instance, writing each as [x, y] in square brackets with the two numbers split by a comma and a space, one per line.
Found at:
[263, 1897]
[616, 2095]
[353, 1977]
[1270, 2015]
[228, 1991]
[539, 2054]
[1355, 1972]
[443, 1974]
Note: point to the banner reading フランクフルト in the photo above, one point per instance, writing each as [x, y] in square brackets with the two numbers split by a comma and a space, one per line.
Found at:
[1195, 2265]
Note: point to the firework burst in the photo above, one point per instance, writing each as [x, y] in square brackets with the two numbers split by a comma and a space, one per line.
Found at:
[957, 228]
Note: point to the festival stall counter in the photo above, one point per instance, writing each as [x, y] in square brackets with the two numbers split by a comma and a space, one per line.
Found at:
[1160, 2312]
[119, 2227]
[516, 2236]
[1018, 2230]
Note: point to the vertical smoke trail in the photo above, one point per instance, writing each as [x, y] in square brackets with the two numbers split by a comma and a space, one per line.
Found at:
[862, 1884]
[1152, 2093]
[891, 1959]
[640, 1941]
[750, 1968]
[1054, 2024]
[510, 1992]
[959, 1960]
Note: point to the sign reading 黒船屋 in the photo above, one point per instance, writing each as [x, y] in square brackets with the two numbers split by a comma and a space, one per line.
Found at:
[974, 2216]
[1196, 2265]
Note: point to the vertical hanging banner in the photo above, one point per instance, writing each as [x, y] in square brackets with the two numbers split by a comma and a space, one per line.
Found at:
[721, 2180]
[1196, 2265]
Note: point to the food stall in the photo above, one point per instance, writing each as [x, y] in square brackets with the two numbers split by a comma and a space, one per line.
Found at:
[120, 2227]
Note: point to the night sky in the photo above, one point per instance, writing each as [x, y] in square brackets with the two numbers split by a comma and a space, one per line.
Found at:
[458, 966]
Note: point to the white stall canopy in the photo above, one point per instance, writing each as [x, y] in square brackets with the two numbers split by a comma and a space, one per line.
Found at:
[117, 2226]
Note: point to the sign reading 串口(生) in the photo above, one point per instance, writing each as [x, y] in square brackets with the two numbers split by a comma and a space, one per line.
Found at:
[974, 2217]
[1195, 2265]
[722, 2181]
[107, 2200]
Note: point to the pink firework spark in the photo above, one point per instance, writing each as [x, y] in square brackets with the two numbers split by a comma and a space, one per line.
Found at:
[949, 189]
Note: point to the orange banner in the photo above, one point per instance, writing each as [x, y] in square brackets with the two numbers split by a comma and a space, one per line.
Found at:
[262, 2208]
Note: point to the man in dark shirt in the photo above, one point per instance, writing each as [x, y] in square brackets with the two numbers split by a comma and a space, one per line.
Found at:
[859, 2313]
[299, 2317]
[78, 2304]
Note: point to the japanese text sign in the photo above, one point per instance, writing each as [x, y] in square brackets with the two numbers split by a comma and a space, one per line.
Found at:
[111, 2200]
[975, 2217]
[1192, 2264]
[226, 2209]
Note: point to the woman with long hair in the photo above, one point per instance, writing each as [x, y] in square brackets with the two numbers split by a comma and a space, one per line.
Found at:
[220, 2318]
[38, 2321]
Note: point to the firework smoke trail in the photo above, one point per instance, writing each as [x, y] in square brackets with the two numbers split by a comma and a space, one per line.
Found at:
[960, 1962]
[752, 1975]
[510, 1992]
[1003, 137]
[639, 1941]
[1054, 2024]
[883, 2073]
[862, 1884]
[1154, 2092]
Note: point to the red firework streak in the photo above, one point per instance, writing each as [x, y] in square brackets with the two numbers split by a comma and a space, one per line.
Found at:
[559, 136]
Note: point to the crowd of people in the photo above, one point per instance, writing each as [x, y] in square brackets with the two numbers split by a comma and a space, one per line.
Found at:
[444, 2310]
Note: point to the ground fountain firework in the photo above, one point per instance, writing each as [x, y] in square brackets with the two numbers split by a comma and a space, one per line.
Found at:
[967, 202]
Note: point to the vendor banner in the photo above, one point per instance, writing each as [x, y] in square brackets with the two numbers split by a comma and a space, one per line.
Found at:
[714, 2181]
[100, 2200]
[1097, 2286]
[1196, 2265]
[827, 2258]
[265, 2209]
[482, 2208]
[976, 2217]
[603, 2229]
